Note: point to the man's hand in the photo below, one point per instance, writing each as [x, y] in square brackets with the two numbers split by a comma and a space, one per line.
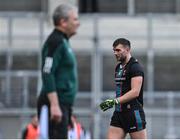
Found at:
[107, 104]
[56, 113]
[55, 110]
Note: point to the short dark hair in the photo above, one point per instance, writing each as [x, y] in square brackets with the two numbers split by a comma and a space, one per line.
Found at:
[122, 41]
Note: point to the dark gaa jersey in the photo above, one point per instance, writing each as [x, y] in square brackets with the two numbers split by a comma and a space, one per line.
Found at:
[123, 77]
[59, 68]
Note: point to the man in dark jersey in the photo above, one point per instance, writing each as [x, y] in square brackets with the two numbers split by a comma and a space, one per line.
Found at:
[128, 116]
[59, 71]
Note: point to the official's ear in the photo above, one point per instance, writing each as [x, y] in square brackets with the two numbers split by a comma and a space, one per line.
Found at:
[63, 22]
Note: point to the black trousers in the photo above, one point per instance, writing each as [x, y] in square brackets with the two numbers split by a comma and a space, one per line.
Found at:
[56, 130]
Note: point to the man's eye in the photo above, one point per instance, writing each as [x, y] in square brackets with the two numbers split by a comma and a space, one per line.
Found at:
[116, 50]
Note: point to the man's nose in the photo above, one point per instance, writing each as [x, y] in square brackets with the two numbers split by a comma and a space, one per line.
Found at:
[78, 23]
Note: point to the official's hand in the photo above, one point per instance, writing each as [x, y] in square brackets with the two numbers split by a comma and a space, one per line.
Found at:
[107, 104]
[56, 113]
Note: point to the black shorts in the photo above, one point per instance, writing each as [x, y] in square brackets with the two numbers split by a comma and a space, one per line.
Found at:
[129, 120]
[56, 130]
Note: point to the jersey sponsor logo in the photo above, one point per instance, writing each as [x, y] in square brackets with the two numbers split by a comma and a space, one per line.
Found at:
[118, 83]
[48, 64]
[120, 78]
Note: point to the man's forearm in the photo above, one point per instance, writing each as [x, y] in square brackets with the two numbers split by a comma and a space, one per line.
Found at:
[53, 98]
[55, 109]
[127, 97]
[136, 83]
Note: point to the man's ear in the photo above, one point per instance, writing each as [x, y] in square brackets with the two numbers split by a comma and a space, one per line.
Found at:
[127, 49]
[62, 22]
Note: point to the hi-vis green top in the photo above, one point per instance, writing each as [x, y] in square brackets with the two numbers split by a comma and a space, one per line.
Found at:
[59, 68]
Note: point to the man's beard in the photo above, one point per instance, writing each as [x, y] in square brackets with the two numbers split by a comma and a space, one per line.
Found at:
[121, 59]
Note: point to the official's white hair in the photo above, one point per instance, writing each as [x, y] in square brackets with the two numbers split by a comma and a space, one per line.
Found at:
[61, 12]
